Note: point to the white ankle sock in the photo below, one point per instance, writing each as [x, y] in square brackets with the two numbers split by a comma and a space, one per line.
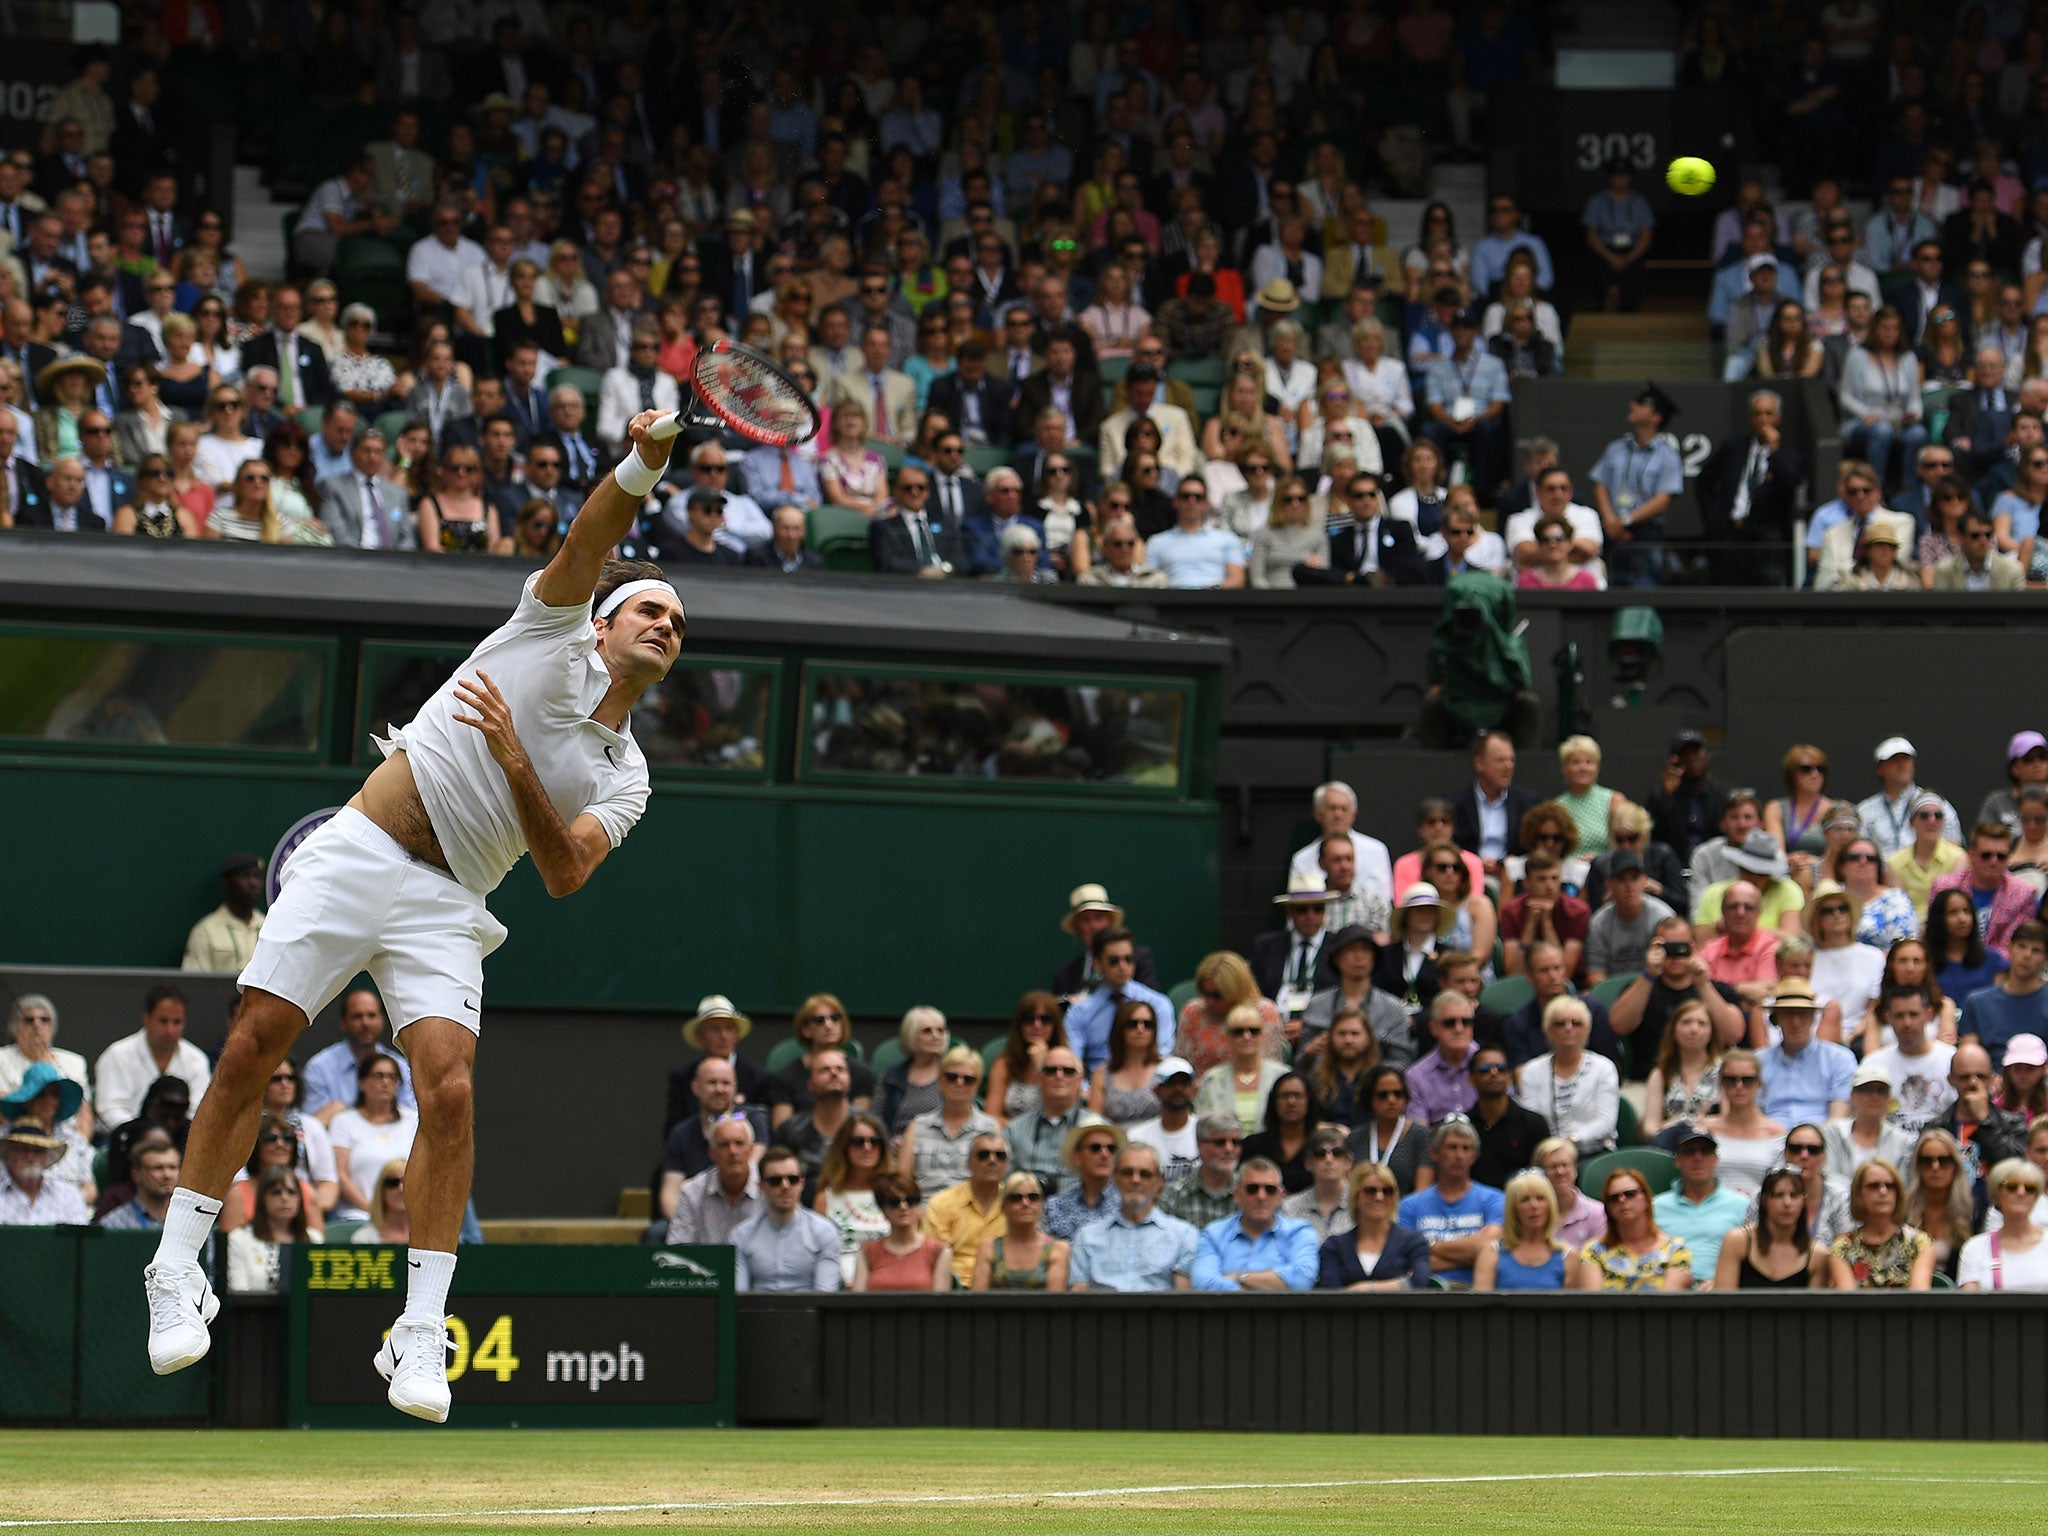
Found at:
[428, 1274]
[187, 1225]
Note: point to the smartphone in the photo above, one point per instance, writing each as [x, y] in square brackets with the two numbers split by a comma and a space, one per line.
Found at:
[1678, 949]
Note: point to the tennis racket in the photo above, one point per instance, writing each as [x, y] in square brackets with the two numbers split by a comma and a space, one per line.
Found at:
[733, 387]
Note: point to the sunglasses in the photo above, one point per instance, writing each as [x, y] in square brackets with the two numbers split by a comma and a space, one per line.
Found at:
[1024, 1197]
[863, 1141]
[392, 1184]
[1097, 1148]
[898, 1203]
[275, 1077]
[1328, 1152]
[2011, 1187]
[273, 1139]
[1060, 1071]
[1802, 1148]
[991, 1155]
[1260, 1189]
[1390, 1093]
[1747, 1080]
[1623, 1194]
[965, 1078]
[782, 1180]
[1939, 1160]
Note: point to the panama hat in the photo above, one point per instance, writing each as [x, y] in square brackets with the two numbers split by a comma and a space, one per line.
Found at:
[28, 1132]
[1279, 296]
[92, 368]
[1304, 891]
[1070, 1144]
[716, 1006]
[1090, 898]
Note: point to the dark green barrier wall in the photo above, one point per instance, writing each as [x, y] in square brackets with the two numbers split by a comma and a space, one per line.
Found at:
[74, 1331]
[765, 894]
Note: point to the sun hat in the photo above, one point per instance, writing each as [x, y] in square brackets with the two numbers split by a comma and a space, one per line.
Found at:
[1279, 296]
[30, 1132]
[2026, 1051]
[40, 1076]
[1070, 1144]
[1759, 853]
[716, 1006]
[1089, 898]
[1824, 892]
[1304, 890]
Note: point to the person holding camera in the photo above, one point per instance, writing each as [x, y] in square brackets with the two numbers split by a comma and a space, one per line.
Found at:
[1673, 974]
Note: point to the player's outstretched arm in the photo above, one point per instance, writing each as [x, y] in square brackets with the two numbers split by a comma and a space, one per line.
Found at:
[606, 518]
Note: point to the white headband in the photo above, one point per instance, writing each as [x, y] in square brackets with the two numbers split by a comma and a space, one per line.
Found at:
[634, 589]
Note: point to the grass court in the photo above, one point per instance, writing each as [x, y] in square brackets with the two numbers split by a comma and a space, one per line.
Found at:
[444, 1482]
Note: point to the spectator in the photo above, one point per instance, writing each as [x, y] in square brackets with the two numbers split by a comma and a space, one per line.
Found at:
[333, 1074]
[1035, 1028]
[1455, 1216]
[1619, 935]
[1619, 231]
[2003, 901]
[1544, 913]
[713, 1203]
[1776, 1248]
[1325, 1204]
[1685, 1084]
[811, 1121]
[1986, 1133]
[1354, 955]
[785, 550]
[1335, 808]
[1580, 1217]
[1202, 1195]
[1522, 1032]
[1699, 1210]
[28, 1196]
[1386, 1134]
[225, 938]
[1022, 1257]
[1037, 1137]
[1440, 1083]
[1633, 1254]
[32, 1029]
[1487, 817]
[856, 1157]
[785, 1247]
[1172, 1131]
[159, 1048]
[1291, 1112]
[55, 1102]
[1940, 1199]
[1139, 1248]
[1120, 1089]
[1194, 553]
[1088, 1152]
[935, 1143]
[1291, 965]
[1467, 402]
[277, 1146]
[1578, 1095]
[1115, 952]
[906, 1258]
[1804, 1078]
[911, 1086]
[2015, 1003]
[1844, 972]
[1634, 484]
[2025, 1088]
[377, 1130]
[2011, 1258]
[256, 1250]
[1466, 920]
[713, 1095]
[1880, 1253]
[155, 1161]
[1241, 1083]
[1258, 1248]
[1122, 563]
[1689, 798]
[1750, 1142]
[1527, 1255]
[1508, 1132]
[1744, 953]
[1977, 566]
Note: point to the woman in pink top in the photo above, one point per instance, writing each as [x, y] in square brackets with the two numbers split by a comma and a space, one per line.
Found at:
[1580, 1218]
[1553, 568]
[1434, 825]
[906, 1259]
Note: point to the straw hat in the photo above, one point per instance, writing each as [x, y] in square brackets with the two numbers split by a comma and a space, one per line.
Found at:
[716, 1006]
[94, 371]
[1279, 296]
[1090, 898]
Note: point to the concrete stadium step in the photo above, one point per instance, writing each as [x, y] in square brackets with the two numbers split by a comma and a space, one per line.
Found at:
[259, 234]
[1670, 345]
[635, 1205]
[591, 1230]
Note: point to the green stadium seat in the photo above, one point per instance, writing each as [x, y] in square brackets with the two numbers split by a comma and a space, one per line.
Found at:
[1613, 987]
[1181, 993]
[1208, 397]
[982, 460]
[887, 1055]
[1198, 372]
[309, 418]
[342, 1231]
[1508, 995]
[993, 1049]
[840, 536]
[783, 1052]
[1653, 1163]
[391, 423]
[1628, 1130]
[1111, 370]
[892, 453]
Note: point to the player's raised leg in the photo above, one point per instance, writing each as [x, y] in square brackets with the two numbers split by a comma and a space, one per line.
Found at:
[414, 1357]
[181, 1303]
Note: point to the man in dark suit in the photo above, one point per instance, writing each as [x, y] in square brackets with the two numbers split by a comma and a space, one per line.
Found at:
[1367, 547]
[973, 401]
[785, 550]
[1926, 291]
[714, 1085]
[305, 382]
[23, 491]
[1089, 911]
[1461, 531]
[1486, 815]
[526, 402]
[141, 144]
[910, 540]
[957, 497]
[1747, 489]
[1058, 385]
[1296, 959]
[1977, 422]
[108, 487]
[716, 1030]
[63, 506]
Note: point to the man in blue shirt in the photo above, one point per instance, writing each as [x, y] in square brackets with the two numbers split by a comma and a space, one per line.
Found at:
[1490, 254]
[1467, 402]
[1638, 477]
[1088, 1021]
[1804, 1078]
[1699, 1207]
[1457, 1216]
[2014, 1004]
[1139, 1248]
[1258, 1249]
[331, 1073]
[786, 1247]
[1195, 553]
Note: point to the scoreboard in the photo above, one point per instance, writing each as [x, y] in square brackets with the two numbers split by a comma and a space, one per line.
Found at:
[566, 1336]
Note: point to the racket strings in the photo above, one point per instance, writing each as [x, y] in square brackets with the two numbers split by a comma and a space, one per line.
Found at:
[759, 397]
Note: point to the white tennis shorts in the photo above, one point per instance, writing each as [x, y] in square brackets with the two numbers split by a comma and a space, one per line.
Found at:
[354, 900]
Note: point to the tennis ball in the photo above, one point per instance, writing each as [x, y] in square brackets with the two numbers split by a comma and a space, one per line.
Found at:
[1689, 176]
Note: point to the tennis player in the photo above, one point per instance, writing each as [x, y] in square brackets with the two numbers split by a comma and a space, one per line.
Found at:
[528, 748]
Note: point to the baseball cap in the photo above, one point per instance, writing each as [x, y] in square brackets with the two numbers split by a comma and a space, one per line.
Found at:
[1624, 861]
[240, 863]
[2023, 743]
[1895, 746]
[1686, 740]
[1171, 1067]
[2027, 1051]
[1870, 1075]
[1696, 1135]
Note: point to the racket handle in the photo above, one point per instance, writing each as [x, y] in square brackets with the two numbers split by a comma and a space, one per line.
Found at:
[667, 427]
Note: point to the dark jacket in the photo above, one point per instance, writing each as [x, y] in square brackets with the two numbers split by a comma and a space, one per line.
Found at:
[315, 386]
[545, 331]
[1272, 952]
[1771, 500]
[1524, 1039]
[40, 516]
[1508, 1145]
[1086, 406]
[1660, 864]
[894, 551]
[689, 1154]
[1400, 560]
[1688, 816]
[1465, 815]
[1406, 1256]
[765, 558]
[682, 1098]
[1984, 417]
[982, 544]
[994, 393]
[2001, 1134]
[1068, 976]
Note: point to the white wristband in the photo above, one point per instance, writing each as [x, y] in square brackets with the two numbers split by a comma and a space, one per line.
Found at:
[634, 477]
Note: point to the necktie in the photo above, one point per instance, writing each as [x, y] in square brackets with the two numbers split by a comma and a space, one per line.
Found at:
[921, 540]
[1752, 472]
[881, 410]
[6, 490]
[788, 472]
[1300, 971]
[373, 524]
[953, 500]
[163, 240]
[287, 374]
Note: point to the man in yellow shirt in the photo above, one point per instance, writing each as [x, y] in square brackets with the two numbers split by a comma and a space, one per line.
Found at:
[968, 1215]
[225, 938]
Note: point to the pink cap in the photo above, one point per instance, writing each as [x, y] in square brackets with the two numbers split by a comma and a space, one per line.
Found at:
[2023, 743]
[2026, 1051]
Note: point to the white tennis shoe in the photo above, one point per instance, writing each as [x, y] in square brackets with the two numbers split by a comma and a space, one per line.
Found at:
[181, 1304]
[414, 1359]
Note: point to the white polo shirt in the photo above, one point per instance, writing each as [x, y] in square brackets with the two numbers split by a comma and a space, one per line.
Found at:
[545, 662]
[440, 266]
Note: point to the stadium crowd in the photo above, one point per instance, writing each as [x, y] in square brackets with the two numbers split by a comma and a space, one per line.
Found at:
[1083, 293]
[1715, 1037]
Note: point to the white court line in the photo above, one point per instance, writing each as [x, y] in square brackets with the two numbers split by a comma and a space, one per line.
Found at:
[729, 1506]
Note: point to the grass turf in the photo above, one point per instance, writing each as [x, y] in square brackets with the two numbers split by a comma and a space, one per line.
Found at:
[126, 1483]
